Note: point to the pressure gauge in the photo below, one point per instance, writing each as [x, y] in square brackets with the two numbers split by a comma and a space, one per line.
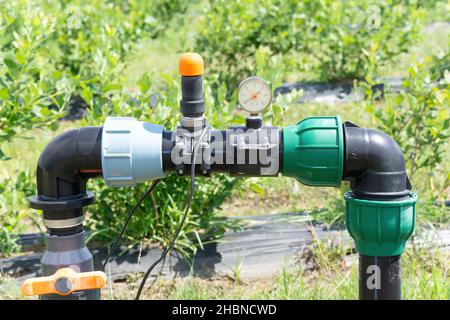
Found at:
[254, 94]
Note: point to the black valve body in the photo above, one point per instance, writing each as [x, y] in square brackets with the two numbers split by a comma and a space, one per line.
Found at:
[192, 103]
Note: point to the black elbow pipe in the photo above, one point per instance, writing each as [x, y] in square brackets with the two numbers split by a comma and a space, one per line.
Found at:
[374, 164]
[68, 161]
[64, 167]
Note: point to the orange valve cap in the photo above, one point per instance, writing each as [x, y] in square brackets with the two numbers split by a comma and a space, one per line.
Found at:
[191, 65]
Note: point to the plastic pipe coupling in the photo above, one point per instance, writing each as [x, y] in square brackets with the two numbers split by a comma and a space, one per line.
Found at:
[313, 151]
[380, 228]
[131, 151]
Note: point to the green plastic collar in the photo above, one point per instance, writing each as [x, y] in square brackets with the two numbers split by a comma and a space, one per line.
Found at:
[380, 228]
[313, 151]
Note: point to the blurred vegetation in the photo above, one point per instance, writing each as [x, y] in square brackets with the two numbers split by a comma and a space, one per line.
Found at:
[329, 40]
[50, 51]
[418, 117]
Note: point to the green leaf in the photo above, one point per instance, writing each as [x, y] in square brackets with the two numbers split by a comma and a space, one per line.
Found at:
[4, 94]
[3, 156]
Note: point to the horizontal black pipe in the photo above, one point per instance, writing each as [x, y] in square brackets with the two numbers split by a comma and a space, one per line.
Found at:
[221, 150]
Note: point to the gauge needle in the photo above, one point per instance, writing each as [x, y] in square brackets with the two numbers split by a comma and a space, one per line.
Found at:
[248, 100]
[253, 97]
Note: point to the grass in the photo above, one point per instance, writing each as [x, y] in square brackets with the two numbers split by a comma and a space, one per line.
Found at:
[157, 55]
[328, 275]
[425, 276]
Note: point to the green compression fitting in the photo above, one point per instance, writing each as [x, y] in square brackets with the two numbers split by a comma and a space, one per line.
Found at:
[313, 151]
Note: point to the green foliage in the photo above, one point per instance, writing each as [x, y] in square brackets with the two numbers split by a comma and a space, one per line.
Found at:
[29, 83]
[334, 39]
[160, 214]
[418, 118]
[232, 31]
[97, 34]
[88, 41]
[13, 210]
[50, 51]
[351, 35]
[439, 65]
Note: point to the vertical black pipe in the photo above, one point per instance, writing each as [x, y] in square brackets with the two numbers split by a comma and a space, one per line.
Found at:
[380, 278]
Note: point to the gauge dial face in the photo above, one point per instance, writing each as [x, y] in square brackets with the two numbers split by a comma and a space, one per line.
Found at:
[254, 94]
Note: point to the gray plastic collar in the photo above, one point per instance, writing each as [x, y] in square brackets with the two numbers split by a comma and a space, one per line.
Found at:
[63, 223]
[131, 151]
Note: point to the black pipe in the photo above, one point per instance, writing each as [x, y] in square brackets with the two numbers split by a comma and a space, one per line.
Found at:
[223, 149]
[192, 103]
[374, 165]
[68, 161]
[380, 278]
[63, 169]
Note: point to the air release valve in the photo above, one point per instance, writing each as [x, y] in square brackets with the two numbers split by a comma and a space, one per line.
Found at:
[191, 68]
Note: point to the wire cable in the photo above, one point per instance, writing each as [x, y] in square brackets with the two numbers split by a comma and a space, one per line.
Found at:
[186, 210]
[127, 220]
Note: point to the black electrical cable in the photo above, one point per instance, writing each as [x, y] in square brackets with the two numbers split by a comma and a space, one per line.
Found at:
[186, 210]
[127, 220]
